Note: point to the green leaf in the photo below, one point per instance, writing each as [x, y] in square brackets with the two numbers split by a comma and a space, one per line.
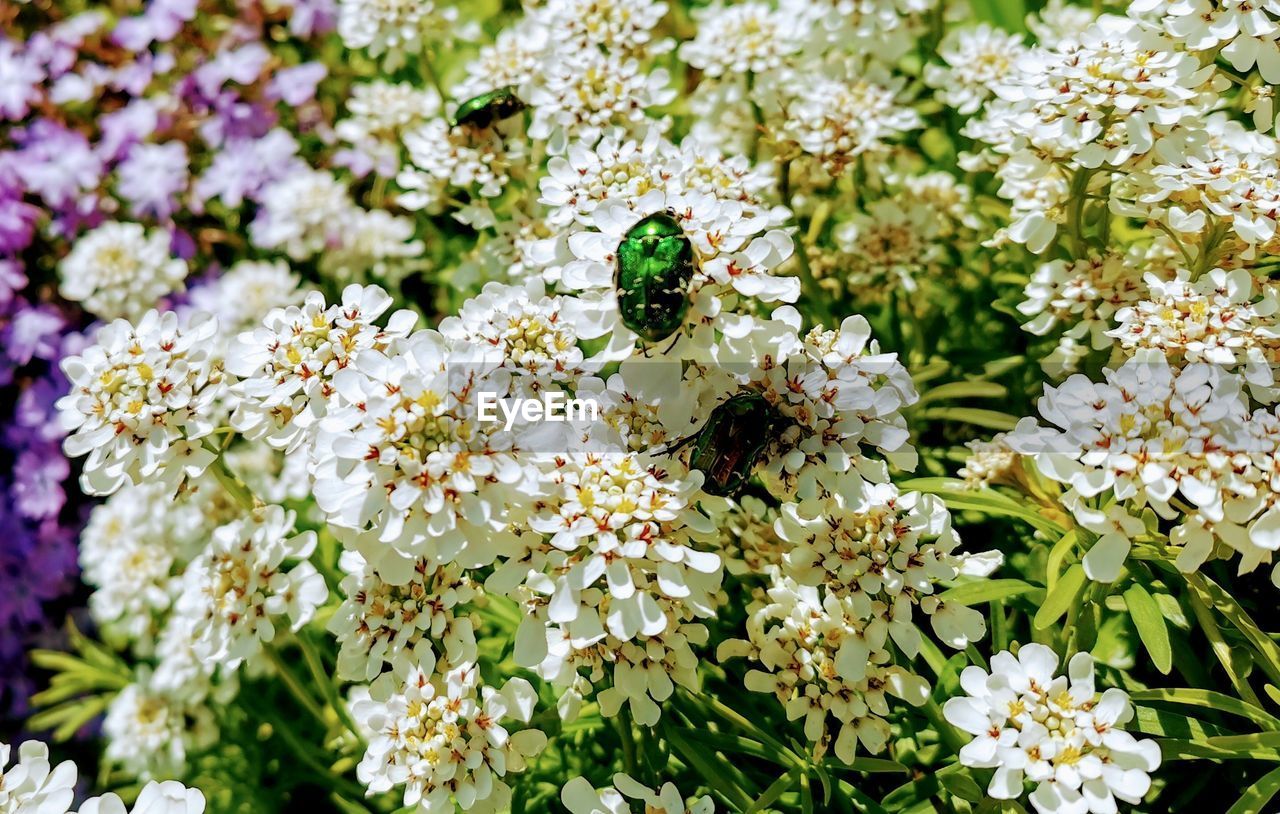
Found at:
[779, 787]
[962, 785]
[1256, 797]
[989, 590]
[1173, 749]
[989, 419]
[964, 390]
[1065, 594]
[1163, 723]
[1208, 699]
[1151, 628]
[716, 772]
[1222, 602]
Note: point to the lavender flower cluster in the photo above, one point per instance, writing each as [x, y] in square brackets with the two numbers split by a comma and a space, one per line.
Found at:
[157, 121]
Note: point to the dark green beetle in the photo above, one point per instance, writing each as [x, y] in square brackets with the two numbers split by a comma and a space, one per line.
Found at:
[482, 111]
[729, 445]
[655, 265]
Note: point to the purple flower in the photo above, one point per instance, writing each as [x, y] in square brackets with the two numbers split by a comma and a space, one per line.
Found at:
[235, 118]
[57, 164]
[37, 482]
[125, 127]
[152, 176]
[161, 22]
[311, 17]
[243, 167]
[296, 85]
[12, 278]
[20, 78]
[32, 333]
[242, 65]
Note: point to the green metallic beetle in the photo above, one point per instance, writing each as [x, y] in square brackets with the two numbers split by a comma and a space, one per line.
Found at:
[483, 110]
[729, 445]
[654, 268]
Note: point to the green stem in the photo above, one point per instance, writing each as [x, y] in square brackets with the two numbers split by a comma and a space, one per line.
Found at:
[304, 754]
[327, 686]
[622, 723]
[231, 482]
[951, 738]
[295, 687]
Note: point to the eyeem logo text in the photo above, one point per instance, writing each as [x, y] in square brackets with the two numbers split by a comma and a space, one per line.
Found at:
[554, 405]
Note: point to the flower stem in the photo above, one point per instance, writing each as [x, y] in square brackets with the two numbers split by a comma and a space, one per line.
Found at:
[295, 687]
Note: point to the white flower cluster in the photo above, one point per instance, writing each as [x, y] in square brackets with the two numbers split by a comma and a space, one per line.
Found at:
[1151, 434]
[288, 363]
[443, 738]
[239, 589]
[854, 567]
[33, 785]
[120, 270]
[1057, 732]
[141, 402]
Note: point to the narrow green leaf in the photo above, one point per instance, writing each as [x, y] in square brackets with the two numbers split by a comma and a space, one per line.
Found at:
[779, 787]
[1208, 699]
[1065, 594]
[1222, 602]
[955, 494]
[1163, 723]
[989, 590]
[1176, 749]
[1256, 797]
[989, 419]
[963, 390]
[715, 770]
[1146, 617]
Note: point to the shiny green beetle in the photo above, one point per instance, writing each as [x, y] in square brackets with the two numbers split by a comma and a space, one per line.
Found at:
[483, 110]
[729, 445]
[654, 267]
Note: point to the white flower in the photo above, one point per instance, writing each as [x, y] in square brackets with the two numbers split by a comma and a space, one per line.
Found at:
[894, 245]
[378, 114]
[288, 365]
[741, 38]
[1084, 295]
[374, 243]
[442, 157]
[242, 296]
[150, 733]
[169, 797]
[833, 391]
[29, 787]
[406, 458]
[612, 576]
[241, 590]
[735, 247]
[536, 335]
[135, 546]
[1214, 319]
[398, 625]
[303, 213]
[580, 798]
[1106, 98]
[120, 270]
[141, 399]
[442, 738]
[839, 113]
[395, 26]
[864, 543]
[1054, 731]
[826, 663]
[616, 25]
[580, 92]
[511, 60]
[977, 58]
[1250, 30]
